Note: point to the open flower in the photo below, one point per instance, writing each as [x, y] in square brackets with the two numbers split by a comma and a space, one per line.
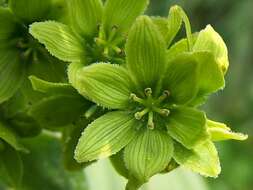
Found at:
[97, 30]
[20, 53]
[152, 119]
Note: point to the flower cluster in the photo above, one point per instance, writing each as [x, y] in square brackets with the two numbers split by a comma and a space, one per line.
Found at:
[134, 88]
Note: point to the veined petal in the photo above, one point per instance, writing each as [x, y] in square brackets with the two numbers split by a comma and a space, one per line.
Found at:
[8, 24]
[106, 136]
[85, 16]
[203, 159]
[30, 10]
[220, 132]
[146, 53]
[59, 40]
[122, 14]
[209, 40]
[148, 154]
[106, 84]
[210, 77]
[174, 23]
[12, 74]
[187, 126]
[181, 78]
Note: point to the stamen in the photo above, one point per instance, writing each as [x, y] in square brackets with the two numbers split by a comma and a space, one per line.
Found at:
[116, 49]
[99, 41]
[113, 33]
[139, 115]
[165, 95]
[136, 99]
[150, 120]
[163, 112]
[148, 92]
[91, 111]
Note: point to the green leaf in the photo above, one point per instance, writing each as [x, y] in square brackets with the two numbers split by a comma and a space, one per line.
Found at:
[181, 78]
[146, 53]
[12, 74]
[43, 168]
[210, 77]
[30, 10]
[203, 159]
[106, 84]
[10, 137]
[148, 154]
[51, 88]
[24, 125]
[209, 40]
[85, 16]
[71, 135]
[8, 24]
[118, 165]
[122, 14]
[220, 132]
[58, 110]
[11, 167]
[187, 126]
[59, 40]
[106, 136]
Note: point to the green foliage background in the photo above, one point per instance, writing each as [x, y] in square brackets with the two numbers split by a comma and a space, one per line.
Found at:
[233, 20]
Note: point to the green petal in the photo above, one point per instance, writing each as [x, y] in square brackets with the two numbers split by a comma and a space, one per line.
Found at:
[181, 78]
[187, 126]
[73, 68]
[11, 167]
[12, 74]
[220, 132]
[8, 24]
[209, 40]
[59, 40]
[210, 77]
[203, 159]
[85, 16]
[106, 136]
[106, 84]
[146, 53]
[174, 23]
[122, 14]
[148, 154]
[58, 110]
[51, 88]
[30, 10]
[10, 137]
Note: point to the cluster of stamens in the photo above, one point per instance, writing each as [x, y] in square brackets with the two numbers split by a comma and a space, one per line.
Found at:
[109, 43]
[151, 105]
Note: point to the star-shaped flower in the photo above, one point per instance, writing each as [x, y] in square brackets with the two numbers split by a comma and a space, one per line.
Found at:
[97, 30]
[153, 120]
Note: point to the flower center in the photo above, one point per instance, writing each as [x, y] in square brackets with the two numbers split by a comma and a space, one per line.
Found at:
[106, 48]
[151, 105]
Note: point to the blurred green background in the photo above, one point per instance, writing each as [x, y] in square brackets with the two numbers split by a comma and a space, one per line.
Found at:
[233, 19]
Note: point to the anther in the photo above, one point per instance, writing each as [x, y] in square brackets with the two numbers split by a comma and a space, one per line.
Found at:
[163, 112]
[139, 115]
[165, 95]
[151, 124]
[148, 92]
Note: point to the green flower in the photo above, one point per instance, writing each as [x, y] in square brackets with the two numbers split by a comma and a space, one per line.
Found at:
[97, 31]
[20, 54]
[152, 122]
